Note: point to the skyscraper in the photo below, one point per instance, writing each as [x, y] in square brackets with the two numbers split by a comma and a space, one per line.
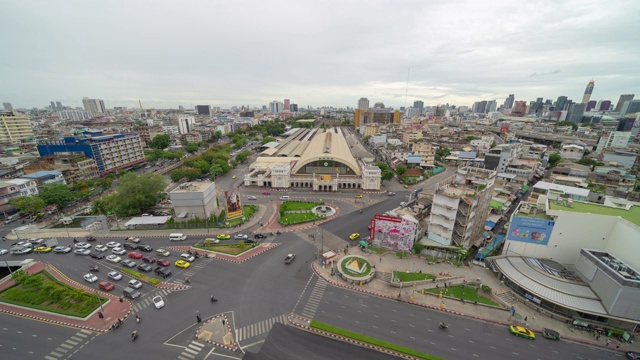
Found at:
[605, 105]
[52, 106]
[508, 102]
[587, 92]
[623, 98]
[7, 106]
[363, 104]
[576, 112]
[287, 104]
[630, 107]
[491, 106]
[560, 103]
[591, 105]
[58, 106]
[203, 109]
[92, 106]
[419, 105]
[294, 107]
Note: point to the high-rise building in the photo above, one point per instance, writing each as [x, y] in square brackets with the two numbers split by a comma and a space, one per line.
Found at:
[363, 104]
[560, 103]
[491, 106]
[14, 127]
[294, 107]
[519, 108]
[377, 115]
[52, 106]
[605, 105]
[58, 106]
[7, 106]
[508, 102]
[623, 98]
[287, 104]
[276, 107]
[73, 115]
[630, 107]
[185, 124]
[591, 105]
[587, 92]
[419, 105]
[576, 112]
[614, 139]
[203, 109]
[92, 106]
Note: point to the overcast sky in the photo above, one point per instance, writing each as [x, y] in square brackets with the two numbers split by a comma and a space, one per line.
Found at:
[237, 52]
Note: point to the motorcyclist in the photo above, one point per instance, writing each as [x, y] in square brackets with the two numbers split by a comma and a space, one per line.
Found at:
[443, 325]
[213, 298]
[186, 280]
[134, 334]
[137, 318]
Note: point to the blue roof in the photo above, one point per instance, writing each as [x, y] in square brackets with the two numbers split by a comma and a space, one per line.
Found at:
[40, 174]
[490, 224]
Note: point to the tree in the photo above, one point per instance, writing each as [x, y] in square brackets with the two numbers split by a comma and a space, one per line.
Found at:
[160, 141]
[386, 172]
[470, 138]
[216, 136]
[267, 139]
[202, 165]
[401, 170]
[215, 170]
[136, 194]
[243, 156]
[554, 159]
[365, 139]
[192, 147]
[57, 194]
[28, 204]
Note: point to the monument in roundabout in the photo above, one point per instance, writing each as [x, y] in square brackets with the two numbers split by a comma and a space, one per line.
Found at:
[355, 269]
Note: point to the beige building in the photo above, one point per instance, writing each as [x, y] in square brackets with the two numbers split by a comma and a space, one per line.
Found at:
[427, 152]
[194, 200]
[409, 135]
[14, 127]
[372, 129]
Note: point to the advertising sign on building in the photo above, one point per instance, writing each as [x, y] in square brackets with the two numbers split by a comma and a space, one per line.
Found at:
[504, 127]
[393, 232]
[530, 230]
[234, 206]
[414, 159]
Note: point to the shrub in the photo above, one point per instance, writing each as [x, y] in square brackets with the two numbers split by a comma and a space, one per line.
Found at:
[486, 289]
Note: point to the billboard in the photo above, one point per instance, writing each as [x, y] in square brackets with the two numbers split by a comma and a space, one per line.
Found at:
[530, 230]
[393, 232]
[234, 206]
[504, 127]
[414, 159]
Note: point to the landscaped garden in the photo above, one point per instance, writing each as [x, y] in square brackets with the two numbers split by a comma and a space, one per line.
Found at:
[412, 276]
[230, 249]
[355, 266]
[296, 212]
[466, 292]
[42, 291]
[299, 205]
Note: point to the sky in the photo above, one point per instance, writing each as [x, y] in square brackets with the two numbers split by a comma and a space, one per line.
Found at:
[167, 53]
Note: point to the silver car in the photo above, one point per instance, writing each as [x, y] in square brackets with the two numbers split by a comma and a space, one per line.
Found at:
[83, 252]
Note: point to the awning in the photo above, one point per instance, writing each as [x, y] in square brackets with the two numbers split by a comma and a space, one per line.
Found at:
[490, 224]
[364, 243]
[183, 215]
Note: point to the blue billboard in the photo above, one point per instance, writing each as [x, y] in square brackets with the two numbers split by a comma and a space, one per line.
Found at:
[530, 230]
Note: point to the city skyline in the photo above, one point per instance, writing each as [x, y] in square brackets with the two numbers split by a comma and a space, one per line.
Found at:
[328, 54]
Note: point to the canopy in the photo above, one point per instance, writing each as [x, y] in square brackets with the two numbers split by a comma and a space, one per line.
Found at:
[364, 243]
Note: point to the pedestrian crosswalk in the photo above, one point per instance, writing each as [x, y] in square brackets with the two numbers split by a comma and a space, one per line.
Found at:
[65, 349]
[258, 328]
[314, 299]
[144, 302]
[191, 351]
[193, 269]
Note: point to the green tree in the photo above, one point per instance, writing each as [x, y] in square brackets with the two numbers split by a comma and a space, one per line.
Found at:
[160, 141]
[28, 204]
[137, 193]
[177, 174]
[573, 125]
[216, 136]
[401, 169]
[554, 159]
[442, 153]
[192, 147]
[267, 139]
[215, 170]
[243, 156]
[57, 194]
[470, 138]
[202, 165]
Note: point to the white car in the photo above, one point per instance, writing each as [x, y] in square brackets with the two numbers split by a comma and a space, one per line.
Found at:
[252, 198]
[83, 245]
[90, 278]
[4, 251]
[135, 284]
[158, 302]
[82, 252]
[113, 244]
[114, 275]
[241, 236]
[114, 259]
[119, 251]
[62, 249]
[101, 248]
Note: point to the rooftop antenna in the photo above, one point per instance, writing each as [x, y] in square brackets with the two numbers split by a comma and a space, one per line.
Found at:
[406, 92]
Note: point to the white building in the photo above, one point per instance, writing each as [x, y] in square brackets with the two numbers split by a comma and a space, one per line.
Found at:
[170, 129]
[73, 115]
[194, 200]
[572, 152]
[363, 104]
[615, 139]
[93, 106]
[186, 124]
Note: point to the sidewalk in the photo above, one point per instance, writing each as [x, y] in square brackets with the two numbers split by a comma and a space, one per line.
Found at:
[388, 263]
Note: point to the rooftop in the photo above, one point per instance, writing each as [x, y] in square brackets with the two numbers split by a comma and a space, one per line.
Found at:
[195, 186]
[632, 215]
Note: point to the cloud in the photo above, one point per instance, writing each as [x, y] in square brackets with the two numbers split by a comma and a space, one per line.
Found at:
[545, 73]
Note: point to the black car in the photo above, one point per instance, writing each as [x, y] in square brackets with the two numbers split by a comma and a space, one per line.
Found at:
[130, 246]
[250, 241]
[162, 271]
[145, 267]
[145, 248]
[128, 263]
[90, 238]
[97, 255]
[260, 236]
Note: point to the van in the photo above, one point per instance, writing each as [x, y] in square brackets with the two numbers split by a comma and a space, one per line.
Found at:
[188, 257]
[285, 197]
[177, 237]
[131, 293]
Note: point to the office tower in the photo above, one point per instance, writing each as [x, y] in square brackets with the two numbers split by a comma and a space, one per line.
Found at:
[508, 102]
[568, 104]
[14, 127]
[576, 112]
[58, 106]
[519, 108]
[491, 106]
[363, 104]
[630, 107]
[185, 124]
[623, 98]
[287, 104]
[625, 124]
[559, 105]
[419, 105]
[587, 92]
[591, 105]
[7, 106]
[52, 106]
[203, 109]
[294, 107]
[92, 106]
[605, 105]
[180, 108]
[73, 115]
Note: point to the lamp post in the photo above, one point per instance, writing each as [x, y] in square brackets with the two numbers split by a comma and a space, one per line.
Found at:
[63, 223]
[7, 263]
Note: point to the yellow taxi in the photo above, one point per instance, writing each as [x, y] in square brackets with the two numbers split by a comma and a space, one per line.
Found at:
[358, 196]
[183, 264]
[42, 249]
[223, 237]
[354, 236]
[233, 177]
[522, 332]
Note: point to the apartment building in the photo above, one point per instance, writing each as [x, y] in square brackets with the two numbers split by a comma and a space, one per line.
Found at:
[14, 127]
[411, 135]
[13, 188]
[427, 152]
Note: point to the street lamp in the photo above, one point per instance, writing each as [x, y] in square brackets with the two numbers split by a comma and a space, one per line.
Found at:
[7, 263]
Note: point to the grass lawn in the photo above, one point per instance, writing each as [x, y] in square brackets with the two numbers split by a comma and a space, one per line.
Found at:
[632, 215]
[247, 211]
[371, 340]
[42, 291]
[467, 292]
[299, 205]
[376, 250]
[140, 276]
[297, 218]
[231, 249]
[412, 276]
[355, 274]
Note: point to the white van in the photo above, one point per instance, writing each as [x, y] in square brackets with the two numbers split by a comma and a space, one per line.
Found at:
[284, 198]
[177, 237]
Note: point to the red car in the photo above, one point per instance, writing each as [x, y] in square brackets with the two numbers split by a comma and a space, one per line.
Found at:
[163, 262]
[106, 286]
[266, 193]
[135, 255]
[149, 259]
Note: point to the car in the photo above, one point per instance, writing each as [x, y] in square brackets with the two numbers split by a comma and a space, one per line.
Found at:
[183, 264]
[633, 355]
[106, 286]
[163, 262]
[62, 249]
[158, 302]
[223, 237]
[113, 244]
[233, 177]
[164, 272]
[163, 252]
[24, 243]
[187, 257]
[250, 241]
[252, 198]
[133, 239]
[128, 263]
[101, 248]
[20, 250]
[136, 284]
[119, 251]
[145, 248]
[145, 267]
[114, 259]
[406, 186]
[358, 196]
[289, 258]
[90, 238]
[266, 193]
[130, 246]
[36, 242]
[135, 255]
[240, 236]
[211, 241]
[82, 252]
[149, 259]
[522, 332]
[4, 251]
[354, 236]
[82, 245]
[42, 249]
[391, 193]
[90, 278]
[114, 275]
[259, 236]
[97, 255]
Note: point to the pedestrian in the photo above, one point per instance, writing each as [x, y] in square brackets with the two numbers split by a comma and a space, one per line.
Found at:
[598, 337]
[608, 342]
[121, 300]
[525, 319]
[617, 345]
[380, 259]
[100, 315]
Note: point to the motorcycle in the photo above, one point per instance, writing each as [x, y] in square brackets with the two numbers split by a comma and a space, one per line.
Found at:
[94, 268]
[443, 326]
[134, 335]
[213, 298]
[138, 319]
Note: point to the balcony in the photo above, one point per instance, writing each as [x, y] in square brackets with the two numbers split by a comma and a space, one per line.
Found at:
[461, 220]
